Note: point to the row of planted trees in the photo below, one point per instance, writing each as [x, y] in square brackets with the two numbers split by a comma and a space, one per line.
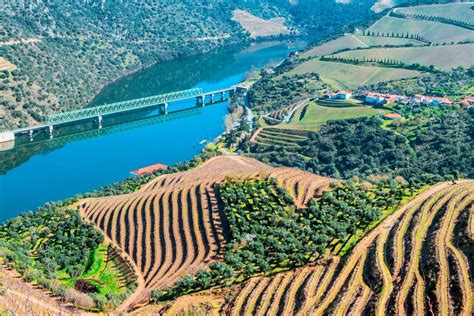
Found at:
[440, 19]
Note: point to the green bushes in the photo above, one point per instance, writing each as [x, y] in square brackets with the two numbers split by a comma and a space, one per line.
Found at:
[274, 93]
[424, 148]
[268, 233]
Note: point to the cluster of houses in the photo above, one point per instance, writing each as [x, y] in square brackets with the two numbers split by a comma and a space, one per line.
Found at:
[384, 99]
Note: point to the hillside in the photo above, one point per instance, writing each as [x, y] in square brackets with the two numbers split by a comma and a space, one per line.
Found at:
[400, 267]
[65, 53]
[173, 225]
[422, 49]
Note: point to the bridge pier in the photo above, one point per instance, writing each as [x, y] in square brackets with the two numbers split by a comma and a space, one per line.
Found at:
[222, 95]
[50, 128]
[164, 108]
[201, 100]
[212, 97]
[30, 132]
[100, 121]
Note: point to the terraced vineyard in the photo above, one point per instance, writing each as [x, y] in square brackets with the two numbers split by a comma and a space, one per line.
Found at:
[173, 226]
[278, 137]
[20, 298]
[410, 264]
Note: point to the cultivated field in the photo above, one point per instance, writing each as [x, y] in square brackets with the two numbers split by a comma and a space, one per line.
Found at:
[277, 137]
[455, 11]
[317, 115]
[351, 76]
[432, 31]
[392, 270]
[443, 57]
[351, 41]
[411, 264]
[173, 226]
[21, 299]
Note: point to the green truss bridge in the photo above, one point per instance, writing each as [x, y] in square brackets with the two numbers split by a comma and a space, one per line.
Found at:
[98, 112]
[118, 107]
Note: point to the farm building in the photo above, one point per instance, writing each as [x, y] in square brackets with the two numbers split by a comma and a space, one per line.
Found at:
[378, 98]
[423, 99]
[440, 101]
[341, 95]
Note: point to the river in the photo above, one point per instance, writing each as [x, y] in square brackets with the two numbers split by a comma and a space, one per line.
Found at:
[34, 173]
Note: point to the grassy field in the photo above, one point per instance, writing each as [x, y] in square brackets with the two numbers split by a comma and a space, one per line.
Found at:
[317, 115]
[455, 11]
[103, 273]
[432, 31]
[351, 41]
[346, 76]
[442, 57]
[346, 41]
[383, 41]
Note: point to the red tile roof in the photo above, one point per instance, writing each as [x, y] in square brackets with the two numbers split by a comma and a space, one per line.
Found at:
[149, 169]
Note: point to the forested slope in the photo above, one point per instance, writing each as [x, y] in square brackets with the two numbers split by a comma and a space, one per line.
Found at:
[64, 53]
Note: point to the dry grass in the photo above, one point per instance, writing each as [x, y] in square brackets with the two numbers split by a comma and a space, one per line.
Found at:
[6, 65]
[258, 27]
[20, 298]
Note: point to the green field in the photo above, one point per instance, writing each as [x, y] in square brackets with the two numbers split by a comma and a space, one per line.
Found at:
[345, 76]
[317, 115]
[383, 41]
[351, 41]
[443, 57]
[432, 31]
[455, 11]
[102, 273]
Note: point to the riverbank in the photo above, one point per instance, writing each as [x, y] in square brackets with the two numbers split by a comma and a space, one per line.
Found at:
[103, 158]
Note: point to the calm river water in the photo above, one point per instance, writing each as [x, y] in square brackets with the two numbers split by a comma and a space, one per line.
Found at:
[35, 173]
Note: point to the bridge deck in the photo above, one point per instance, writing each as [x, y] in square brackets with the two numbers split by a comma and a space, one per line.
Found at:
[118, 107]
[113, 108]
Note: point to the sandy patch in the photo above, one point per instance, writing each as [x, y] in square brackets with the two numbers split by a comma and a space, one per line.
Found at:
[6, 65]
[258, 27]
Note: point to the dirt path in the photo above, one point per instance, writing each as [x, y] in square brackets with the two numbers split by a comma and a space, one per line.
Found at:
[21, 41]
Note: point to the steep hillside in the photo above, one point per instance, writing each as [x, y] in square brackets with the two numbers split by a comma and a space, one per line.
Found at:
[174, 226]
[65, 53]
[416, 261]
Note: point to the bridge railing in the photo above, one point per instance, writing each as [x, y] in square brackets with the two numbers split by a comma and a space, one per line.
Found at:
[118, 107]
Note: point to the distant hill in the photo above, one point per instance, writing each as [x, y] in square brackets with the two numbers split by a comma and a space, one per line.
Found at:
[65, 53]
